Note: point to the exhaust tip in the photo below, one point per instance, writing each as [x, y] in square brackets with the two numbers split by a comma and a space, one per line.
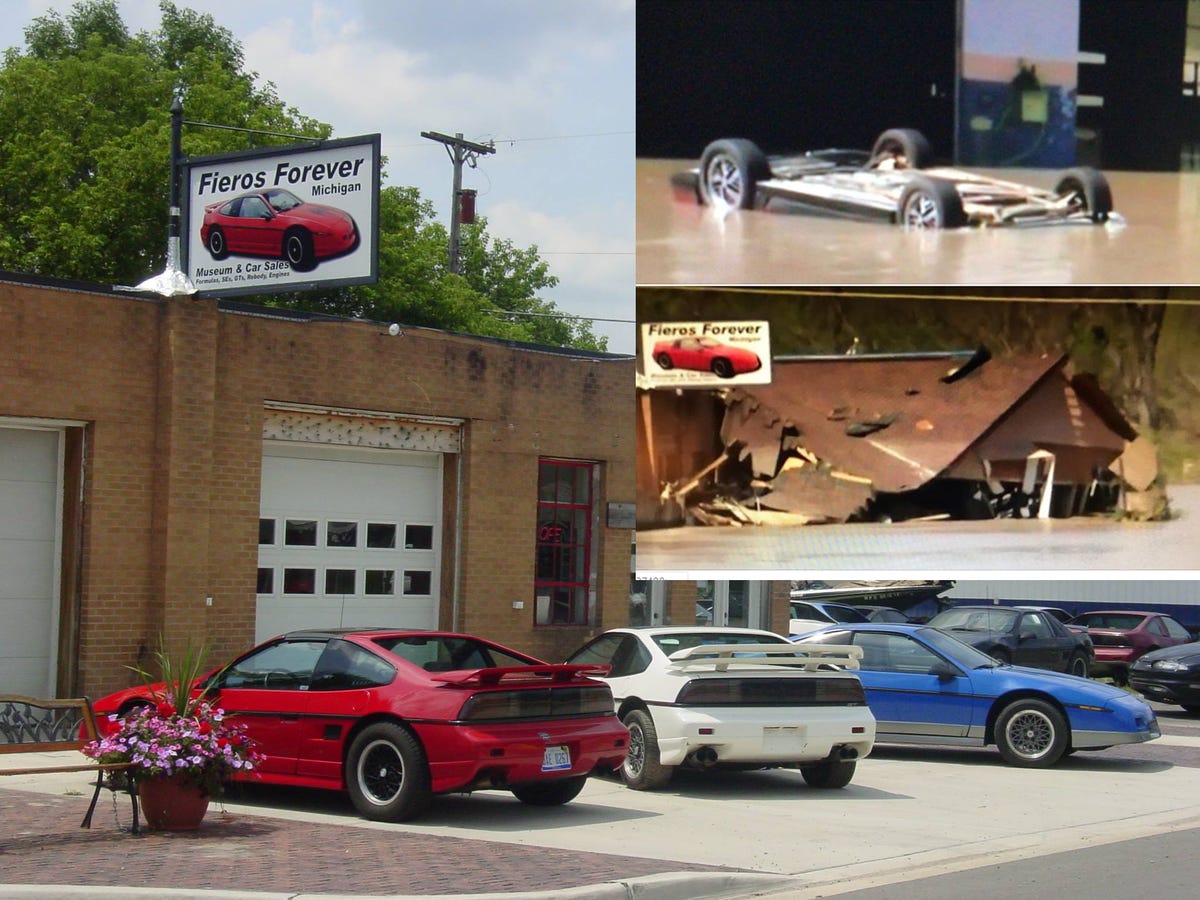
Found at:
[706, 756]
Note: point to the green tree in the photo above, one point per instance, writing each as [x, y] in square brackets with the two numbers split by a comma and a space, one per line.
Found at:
[495, 294]
[84, 175]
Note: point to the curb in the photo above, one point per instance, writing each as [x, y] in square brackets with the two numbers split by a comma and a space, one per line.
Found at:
[665, 886]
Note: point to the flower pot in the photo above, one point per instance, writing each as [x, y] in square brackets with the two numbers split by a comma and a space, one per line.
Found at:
[172, 803]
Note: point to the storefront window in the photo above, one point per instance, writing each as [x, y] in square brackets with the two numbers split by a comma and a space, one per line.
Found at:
[564, 516]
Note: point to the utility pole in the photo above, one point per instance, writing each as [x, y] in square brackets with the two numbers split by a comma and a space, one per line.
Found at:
[459, 151]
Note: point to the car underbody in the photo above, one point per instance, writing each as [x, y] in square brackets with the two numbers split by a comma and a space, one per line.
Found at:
[895, 182]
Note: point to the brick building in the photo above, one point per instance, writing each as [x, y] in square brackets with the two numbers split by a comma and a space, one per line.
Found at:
[205, 469]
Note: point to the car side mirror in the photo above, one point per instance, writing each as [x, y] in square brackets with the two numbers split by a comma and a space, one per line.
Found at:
[943, 670]
[1026, 636]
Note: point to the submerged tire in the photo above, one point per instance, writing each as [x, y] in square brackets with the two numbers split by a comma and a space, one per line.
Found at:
[730, 170]
[1092, 189]
[931, 203]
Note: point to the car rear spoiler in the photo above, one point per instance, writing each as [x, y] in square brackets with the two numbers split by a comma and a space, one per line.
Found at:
[562, 672]
[809, 658]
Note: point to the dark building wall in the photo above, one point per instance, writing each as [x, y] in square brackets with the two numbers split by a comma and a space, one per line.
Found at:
[1141, 123]
[792, 75]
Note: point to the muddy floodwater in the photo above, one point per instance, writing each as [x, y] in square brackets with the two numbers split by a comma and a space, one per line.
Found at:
[1153, 238]
[1078, 545]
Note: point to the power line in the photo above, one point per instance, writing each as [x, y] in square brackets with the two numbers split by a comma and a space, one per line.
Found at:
[563, 137]
[513, 312]
[560, 137]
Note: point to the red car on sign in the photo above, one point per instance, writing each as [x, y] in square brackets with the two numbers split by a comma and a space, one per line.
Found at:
[278, 224]
[397, 716]
[705, 354]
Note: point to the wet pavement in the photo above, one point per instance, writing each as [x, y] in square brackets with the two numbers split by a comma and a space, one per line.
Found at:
[1092, 545]
[1153, 239]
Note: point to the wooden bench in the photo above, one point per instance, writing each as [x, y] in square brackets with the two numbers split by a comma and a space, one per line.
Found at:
[34, 725]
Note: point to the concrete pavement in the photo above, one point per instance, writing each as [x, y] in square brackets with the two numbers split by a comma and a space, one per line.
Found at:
[910, 812]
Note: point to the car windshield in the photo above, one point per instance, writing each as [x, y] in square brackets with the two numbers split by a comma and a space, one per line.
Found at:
[975, 619]
[845, 613]
[954, 649]
[673, 643]
[1115, 621]
[282, 201]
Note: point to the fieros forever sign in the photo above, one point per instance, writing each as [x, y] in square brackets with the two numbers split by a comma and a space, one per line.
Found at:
[705, 354]
[283, 218]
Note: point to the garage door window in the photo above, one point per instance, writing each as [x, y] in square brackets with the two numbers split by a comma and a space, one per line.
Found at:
[341, 534]
[417, 583]
[339, 581]
[418, 537]
[381, 535]
[300, 533]
[381, 582]
[299, 581]
[564, 515]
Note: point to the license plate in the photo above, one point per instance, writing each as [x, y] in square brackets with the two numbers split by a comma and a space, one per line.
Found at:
[784, 738]
[556, 759]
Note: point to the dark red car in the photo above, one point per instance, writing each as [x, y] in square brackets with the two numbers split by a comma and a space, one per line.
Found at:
[278, 224]
[397, 716]
[1121, 636]
[705, 354]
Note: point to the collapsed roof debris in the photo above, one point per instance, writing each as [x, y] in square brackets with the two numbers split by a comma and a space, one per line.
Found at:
[858, 437]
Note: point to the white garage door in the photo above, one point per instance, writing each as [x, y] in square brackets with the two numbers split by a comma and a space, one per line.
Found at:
[348, 537]
[29, 516]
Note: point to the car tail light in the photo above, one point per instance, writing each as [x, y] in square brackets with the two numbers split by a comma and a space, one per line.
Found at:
[538, 703]
[819, 691]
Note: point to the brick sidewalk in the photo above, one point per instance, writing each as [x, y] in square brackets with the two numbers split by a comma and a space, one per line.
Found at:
[41, 843]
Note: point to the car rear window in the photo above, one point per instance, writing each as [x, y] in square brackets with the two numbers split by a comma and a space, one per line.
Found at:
[1109, 620]
[672, 643]
[447, 653]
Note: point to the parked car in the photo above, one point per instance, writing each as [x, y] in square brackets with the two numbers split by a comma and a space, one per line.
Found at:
[1057, 611]
[705, 354]
[896, 181]
[397, 716]
[276, 223]
[1169, 675]
[927, 687]
[720, 697]
[1022, 636]
[1121, 636]
[809, 615]
[883, 614]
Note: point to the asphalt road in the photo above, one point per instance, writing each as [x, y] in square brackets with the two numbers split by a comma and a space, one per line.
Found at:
[1002, 545]
[1164, 865]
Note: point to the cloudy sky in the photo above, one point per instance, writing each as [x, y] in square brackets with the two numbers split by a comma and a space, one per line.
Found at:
[551, 82]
